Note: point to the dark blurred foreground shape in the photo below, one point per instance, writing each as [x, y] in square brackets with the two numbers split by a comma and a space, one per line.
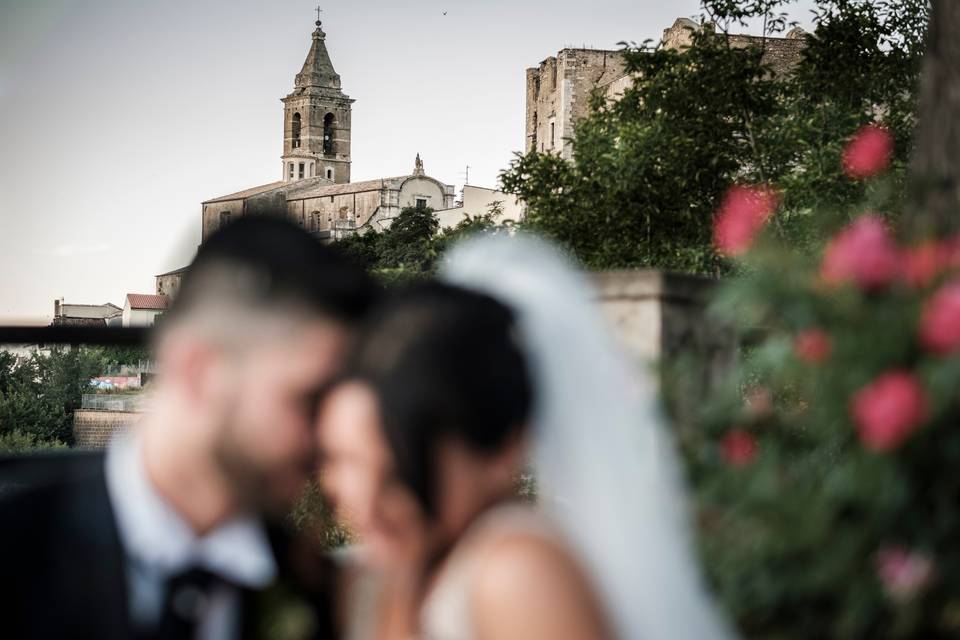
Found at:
[64, 494]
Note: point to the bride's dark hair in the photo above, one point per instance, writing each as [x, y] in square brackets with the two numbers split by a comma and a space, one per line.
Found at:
[444, 363]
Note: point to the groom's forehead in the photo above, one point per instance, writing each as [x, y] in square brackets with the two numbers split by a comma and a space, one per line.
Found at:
[314, 351]
[302, 348]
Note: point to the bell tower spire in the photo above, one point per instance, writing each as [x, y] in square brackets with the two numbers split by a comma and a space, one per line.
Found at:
[316, 118]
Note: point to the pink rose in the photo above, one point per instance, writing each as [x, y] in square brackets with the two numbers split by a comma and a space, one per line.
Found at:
[940, 322]
[743, 213]
[868, 152]
[902, 572]
[888, 410]
[738, 448]
[862, 253]
[812, 346]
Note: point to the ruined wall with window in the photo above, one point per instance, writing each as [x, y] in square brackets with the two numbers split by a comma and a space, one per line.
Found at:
[559, 89]
[558, 94]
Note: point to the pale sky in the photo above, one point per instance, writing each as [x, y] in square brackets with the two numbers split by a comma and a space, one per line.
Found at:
[119, 117]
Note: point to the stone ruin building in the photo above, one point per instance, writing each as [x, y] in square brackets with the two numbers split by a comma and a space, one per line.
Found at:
[560, 87]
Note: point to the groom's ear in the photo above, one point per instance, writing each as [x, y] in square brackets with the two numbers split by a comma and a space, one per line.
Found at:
[195, 368]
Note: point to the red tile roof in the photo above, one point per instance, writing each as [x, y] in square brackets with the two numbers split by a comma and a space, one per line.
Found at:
[147, 301]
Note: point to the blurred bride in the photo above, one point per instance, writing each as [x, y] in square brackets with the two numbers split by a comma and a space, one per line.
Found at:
[456, 390]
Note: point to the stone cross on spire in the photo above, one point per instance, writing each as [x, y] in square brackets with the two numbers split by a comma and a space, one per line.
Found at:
[317, 69]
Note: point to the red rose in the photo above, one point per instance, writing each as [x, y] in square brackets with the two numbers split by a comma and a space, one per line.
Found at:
[812, 346]
[738, 448]
[863, 253]
[940, 322]
[924, 262]
[868, 152]
[888, 410]
[902, 572]
[743, 213]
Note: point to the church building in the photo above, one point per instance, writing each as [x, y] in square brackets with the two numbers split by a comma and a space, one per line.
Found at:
[314, 186]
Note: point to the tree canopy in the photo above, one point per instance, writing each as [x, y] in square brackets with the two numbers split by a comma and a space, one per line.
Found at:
[413, 243]
[650, 168]
[39, 394]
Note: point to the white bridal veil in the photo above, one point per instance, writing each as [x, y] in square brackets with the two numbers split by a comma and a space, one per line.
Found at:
[604, 462]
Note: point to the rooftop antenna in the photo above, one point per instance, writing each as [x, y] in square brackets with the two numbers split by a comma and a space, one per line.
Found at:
[466, 181]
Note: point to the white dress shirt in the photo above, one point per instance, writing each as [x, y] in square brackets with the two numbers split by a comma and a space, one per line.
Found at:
[159, 544]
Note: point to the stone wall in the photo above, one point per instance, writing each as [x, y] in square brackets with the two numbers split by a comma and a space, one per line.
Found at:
[558, 94]
[782, 54]
[168, 284]
[659, 316]
[210, 217]
[270, 201]
[93, 429]
[316, 213]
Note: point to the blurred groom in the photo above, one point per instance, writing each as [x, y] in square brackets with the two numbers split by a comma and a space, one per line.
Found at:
[174, 532]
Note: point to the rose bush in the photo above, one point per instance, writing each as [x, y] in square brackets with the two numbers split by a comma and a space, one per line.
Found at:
[825, 469]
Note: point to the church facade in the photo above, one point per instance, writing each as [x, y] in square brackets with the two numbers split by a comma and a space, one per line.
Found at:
[315, 187]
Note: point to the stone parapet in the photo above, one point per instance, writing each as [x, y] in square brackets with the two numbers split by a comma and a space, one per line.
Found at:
[661, 316]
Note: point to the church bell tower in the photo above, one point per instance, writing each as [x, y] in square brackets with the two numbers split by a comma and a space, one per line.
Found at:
[316, 120]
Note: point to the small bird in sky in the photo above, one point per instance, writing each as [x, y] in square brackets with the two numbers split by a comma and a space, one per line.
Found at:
[444, 13]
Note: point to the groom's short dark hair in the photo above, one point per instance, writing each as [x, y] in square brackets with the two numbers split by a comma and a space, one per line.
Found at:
[266, 263]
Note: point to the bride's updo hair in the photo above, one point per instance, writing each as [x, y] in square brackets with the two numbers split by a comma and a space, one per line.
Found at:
[444, 363]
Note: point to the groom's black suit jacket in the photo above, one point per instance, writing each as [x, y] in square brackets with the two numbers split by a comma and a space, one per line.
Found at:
[62, 571]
